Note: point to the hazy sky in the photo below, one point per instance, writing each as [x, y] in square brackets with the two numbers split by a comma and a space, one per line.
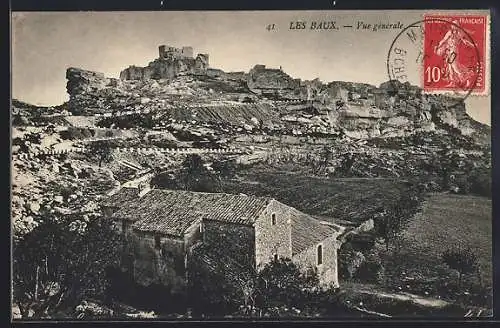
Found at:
[45, 44]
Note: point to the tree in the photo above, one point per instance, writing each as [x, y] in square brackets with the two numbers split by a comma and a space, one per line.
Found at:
[102, 150]
[222, 274]
[391, 221]
[165, 180]
[225, 284]
[61, 262]
[280, 282]
[226, 169]
[464, 261]
[194, 176]
[348, 160]
[388, 227]
[349, 260]
[325, 157]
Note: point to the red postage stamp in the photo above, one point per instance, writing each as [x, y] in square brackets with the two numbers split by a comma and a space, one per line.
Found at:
[455, 54]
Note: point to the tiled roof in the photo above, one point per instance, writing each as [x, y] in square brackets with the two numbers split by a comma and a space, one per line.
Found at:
[122, 197]
[307, 231]
[173, 211]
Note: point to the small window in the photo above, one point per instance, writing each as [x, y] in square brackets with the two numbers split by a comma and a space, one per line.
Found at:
[320, 254]
[201, 227]
[273, 219]
[275, 257]
[157, 242]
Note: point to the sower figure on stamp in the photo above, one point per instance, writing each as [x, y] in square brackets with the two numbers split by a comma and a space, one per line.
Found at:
[453, 71]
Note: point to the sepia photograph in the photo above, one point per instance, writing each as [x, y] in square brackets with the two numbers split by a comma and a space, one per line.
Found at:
[255, 165]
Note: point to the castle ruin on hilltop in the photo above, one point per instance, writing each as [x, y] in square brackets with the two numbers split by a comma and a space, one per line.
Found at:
[171, 62]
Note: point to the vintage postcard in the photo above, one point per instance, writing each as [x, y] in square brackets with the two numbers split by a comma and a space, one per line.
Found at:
[251, 164]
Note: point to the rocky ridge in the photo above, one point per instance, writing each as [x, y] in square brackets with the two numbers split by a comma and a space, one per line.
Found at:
[358, 110]
[391, 130]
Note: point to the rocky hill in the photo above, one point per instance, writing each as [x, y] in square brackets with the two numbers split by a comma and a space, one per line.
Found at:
[178, 102]
[290, 105]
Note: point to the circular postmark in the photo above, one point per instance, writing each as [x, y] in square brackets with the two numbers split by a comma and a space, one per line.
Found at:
[437, 55]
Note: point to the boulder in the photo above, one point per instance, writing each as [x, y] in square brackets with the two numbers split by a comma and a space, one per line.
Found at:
[398, 121]
[55, 167]
[34, 207]
[447, 117]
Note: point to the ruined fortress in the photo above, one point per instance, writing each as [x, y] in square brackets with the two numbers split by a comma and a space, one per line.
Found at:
[171, 62]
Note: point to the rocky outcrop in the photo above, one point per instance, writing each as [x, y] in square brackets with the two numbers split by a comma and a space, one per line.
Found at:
[88, 90]
[83, 81]
[270, 81]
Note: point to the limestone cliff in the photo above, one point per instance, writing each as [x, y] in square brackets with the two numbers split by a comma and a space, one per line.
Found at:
[357, 110]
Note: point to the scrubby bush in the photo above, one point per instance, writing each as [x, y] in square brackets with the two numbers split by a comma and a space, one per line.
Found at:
[225, 168]
[73, 133]
[480, 182]
[165, 180]
[102, 151]
[464, 261]
[371, 270]
[279, 289]
[194, 176]
[61, 262]
[349, 261]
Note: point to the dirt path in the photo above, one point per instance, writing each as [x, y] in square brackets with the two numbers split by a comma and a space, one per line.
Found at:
[424, 301]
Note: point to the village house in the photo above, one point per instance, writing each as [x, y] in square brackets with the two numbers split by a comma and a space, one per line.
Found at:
[161, 227]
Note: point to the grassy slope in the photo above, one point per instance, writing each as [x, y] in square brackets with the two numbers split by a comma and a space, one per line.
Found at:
[351, 199]
[447, 221]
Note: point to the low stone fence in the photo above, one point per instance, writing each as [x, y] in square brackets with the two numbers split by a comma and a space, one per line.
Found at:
[137, 150]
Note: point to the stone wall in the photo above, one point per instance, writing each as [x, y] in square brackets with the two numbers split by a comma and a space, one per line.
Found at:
[187, 52]
[193, 235]
[337, 92]
[123, 227]
[165, 265]
[201, 63]
[136, 73]
[327, 271]
[173, 52]
[166, 68]
[273, 239]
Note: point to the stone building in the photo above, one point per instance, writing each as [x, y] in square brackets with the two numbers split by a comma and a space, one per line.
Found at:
[166, 52]
[161, 227]
[380, 98]
[171, 62]
[337, 92]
